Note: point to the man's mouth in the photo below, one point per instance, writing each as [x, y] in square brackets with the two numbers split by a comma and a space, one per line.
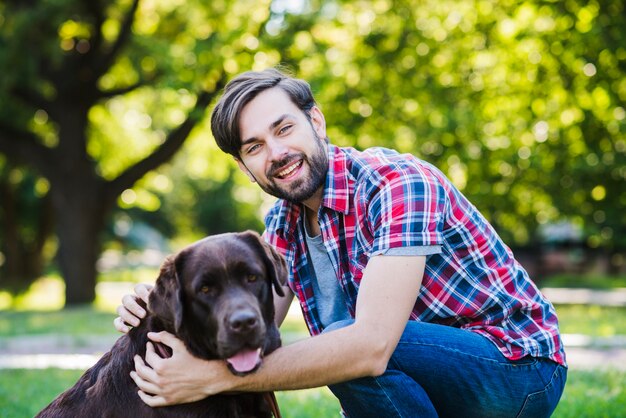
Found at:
[289, 169]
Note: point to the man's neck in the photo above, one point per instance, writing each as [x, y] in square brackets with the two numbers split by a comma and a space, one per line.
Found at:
[311, 206]
[312, 226]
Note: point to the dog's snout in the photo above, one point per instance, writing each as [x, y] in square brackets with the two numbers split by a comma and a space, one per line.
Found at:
[243, 321]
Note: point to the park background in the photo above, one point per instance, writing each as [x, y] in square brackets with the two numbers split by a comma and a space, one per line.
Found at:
[107, 162]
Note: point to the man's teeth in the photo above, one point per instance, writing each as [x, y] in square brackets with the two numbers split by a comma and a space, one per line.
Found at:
[289, 170]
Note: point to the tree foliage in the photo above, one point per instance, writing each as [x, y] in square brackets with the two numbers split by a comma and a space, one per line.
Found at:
[520, 103]
[110, 91]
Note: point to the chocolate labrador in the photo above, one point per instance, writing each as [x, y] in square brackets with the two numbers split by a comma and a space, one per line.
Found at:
[216, 296]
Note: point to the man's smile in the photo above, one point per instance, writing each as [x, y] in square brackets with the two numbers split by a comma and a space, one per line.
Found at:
[289, 169]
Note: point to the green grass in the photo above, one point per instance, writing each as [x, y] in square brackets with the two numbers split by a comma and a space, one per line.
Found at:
[79, 320]
[592, 320]
[587, 394]
[24, 392]
[596, 321]
[584, 281]
[593, 394]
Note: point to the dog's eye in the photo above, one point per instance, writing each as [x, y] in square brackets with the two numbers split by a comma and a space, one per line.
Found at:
[206, 289]
[251, 278]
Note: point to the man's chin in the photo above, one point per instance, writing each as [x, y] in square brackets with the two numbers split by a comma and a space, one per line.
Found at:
[294, 195]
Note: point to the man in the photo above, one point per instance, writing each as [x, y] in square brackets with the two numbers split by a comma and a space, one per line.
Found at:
[415, 306]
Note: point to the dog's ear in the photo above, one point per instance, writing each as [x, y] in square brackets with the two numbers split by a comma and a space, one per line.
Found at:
[274, 262]
[166, 297]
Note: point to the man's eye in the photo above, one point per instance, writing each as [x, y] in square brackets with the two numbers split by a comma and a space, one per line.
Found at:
[253, 149]
[285, 129]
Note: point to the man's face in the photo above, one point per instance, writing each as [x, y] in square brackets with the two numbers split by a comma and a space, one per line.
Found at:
[282, 149]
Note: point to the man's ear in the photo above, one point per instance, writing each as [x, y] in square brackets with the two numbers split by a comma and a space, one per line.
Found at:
[243, 168]
[318, 121]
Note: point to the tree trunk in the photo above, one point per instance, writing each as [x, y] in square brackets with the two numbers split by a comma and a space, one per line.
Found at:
[80, 220]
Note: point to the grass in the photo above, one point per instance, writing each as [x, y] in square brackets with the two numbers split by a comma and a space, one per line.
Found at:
[24, 392]
[595, 321]
[79, 320]
[592, 320]
[587, 394]
[584, 281]
[37, 388]
[593, 394]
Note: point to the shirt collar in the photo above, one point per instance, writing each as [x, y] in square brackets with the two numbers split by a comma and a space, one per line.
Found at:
[337, 187]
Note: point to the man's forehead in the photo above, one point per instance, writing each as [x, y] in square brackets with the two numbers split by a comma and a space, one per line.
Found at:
[265, 109]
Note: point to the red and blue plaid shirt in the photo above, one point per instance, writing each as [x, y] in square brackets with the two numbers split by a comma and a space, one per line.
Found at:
[378, 200]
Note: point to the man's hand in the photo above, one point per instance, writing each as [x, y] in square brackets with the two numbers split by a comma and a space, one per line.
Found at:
[180, 378]
[130, 312]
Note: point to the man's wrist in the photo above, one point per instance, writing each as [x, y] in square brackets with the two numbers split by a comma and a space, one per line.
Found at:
[220, 379]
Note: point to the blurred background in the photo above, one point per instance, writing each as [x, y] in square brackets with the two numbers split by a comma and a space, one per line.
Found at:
[107, 159]
[107, 162]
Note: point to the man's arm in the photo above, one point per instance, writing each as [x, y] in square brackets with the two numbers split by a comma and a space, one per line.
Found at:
[387, 294]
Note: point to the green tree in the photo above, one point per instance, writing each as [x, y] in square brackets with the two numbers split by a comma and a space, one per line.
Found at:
[107, 92]
[520, 103]
[25, 226]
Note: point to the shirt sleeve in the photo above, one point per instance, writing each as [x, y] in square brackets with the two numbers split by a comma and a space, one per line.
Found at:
[409, 251]
[270, 234]
[406, 206]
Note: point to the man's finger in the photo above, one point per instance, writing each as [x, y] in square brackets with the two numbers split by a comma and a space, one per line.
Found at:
[145, 385]
[166, 338]
[127, 317]
[144, 371]
[120, 325]
[150, 400]
[130, 303]
[143, 291]
[152, 358]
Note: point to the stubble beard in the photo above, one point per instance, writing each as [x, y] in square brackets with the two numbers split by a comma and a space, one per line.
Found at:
[301, 189]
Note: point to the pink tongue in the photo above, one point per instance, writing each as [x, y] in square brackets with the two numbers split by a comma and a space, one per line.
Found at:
[245, 360]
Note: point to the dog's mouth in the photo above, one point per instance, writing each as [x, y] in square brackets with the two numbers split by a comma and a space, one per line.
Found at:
[247, 360]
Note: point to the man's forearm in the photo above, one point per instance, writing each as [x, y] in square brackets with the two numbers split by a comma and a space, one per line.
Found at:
[318, 361]
[361, 349]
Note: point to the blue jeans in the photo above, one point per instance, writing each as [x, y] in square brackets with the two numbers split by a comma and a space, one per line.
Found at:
[444, 371]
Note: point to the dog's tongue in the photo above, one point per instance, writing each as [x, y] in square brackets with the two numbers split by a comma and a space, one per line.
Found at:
[245, 360]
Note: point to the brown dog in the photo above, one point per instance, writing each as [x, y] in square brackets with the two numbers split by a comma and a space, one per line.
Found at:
[216, 296]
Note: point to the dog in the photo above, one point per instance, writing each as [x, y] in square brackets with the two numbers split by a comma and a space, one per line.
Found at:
[216, 296]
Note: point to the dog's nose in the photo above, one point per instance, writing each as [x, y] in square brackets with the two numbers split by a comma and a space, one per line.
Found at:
[243, 321]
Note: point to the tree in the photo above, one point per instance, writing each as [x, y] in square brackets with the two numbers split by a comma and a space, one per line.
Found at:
[520, 103]
[83, 56]
[26, 224]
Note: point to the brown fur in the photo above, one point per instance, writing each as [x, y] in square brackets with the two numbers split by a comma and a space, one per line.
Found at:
[197, 292]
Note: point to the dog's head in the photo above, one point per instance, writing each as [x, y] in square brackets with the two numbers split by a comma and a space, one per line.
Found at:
[216, 296]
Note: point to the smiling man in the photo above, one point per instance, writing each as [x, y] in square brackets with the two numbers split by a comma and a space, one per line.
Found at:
[415, 306]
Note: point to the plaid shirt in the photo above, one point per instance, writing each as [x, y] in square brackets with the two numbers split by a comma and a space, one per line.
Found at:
[377, 200]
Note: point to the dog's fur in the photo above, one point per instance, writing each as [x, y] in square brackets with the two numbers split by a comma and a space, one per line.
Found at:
[197, 294]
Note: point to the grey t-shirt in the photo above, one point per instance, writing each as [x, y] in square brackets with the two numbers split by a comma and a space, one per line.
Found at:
[329, 298]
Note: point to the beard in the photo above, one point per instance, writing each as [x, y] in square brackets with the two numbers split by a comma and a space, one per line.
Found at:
[302, 189]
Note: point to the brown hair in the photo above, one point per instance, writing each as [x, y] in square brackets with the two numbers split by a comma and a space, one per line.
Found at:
[240, 91]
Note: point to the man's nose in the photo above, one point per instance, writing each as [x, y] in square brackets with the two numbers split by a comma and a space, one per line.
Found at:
[277, 149]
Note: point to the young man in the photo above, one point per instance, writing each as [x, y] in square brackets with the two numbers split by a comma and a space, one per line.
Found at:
[415, 306]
